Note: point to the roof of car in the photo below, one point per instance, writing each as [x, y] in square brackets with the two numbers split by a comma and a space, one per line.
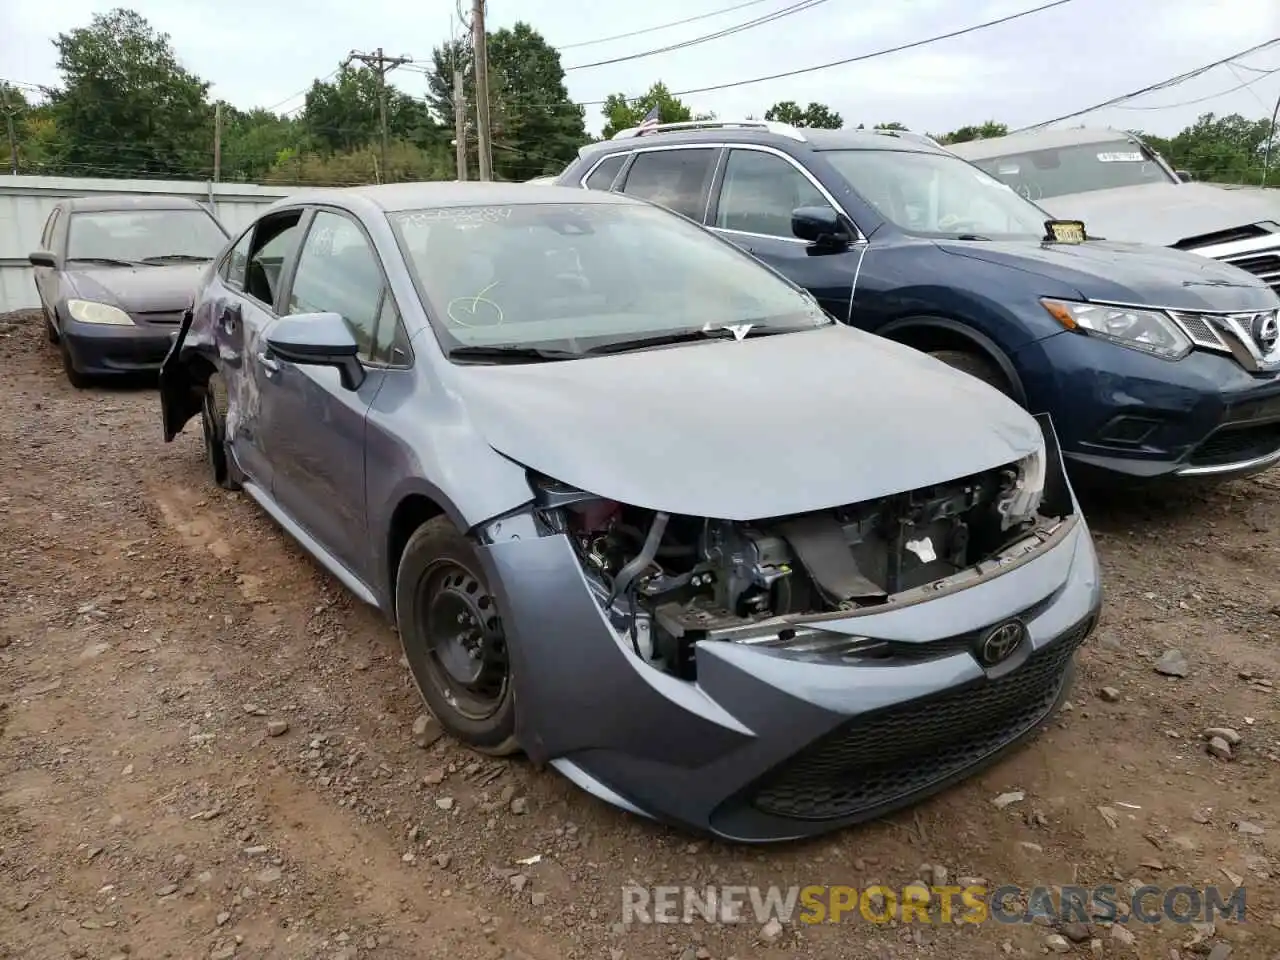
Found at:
[102, 203]
[816, 139]
[1038, 140]
[393, 197]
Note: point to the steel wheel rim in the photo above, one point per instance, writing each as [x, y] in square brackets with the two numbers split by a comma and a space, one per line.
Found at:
[464, 654]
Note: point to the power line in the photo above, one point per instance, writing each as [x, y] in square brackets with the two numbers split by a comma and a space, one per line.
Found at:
[1162, 85]
[661, 26]
[305, 90]
[1213, 96]
[865, 56]
[794, 8]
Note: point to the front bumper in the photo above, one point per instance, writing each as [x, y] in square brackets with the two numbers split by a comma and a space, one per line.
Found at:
[1123, 412]
[99, 349]
[768, 745]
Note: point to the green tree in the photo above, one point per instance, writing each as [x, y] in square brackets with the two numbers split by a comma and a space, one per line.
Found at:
[537, 129]
[344, 113]
[404, 160]
[126, 105]
[817, 115]
[982, 131]
[253, 141]
[621, 113]
[1227, 149]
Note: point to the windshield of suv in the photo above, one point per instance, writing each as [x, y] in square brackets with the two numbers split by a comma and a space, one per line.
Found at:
[938, 195]
[1085, 167]
[572, 277]
[144, 236]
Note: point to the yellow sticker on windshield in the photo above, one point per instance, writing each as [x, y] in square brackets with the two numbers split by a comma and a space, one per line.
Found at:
[1064, 231]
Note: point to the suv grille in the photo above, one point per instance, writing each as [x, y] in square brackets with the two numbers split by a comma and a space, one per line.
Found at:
[1236, 445]
[882, 759]
[1265, 265]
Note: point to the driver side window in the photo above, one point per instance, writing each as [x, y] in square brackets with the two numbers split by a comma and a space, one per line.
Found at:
[233, 265]
[339, 272]
[759, 193]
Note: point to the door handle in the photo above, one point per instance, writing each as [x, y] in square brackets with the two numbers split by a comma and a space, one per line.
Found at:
[268, 364]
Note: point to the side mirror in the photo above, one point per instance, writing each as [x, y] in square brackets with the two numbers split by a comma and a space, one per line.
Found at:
[42, 258]
[319, 340]
[1186, 176]
[820, 226]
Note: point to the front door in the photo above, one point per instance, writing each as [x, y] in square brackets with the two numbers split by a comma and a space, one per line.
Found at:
[316, 426]
[752, 207]
[244, 307]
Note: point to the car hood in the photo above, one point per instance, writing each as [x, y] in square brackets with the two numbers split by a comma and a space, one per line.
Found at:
[765, 427]
[1128, 273]
[140, 289]
[1163, 213]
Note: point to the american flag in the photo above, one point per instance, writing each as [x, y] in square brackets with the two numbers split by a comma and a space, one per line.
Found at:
[651, 119]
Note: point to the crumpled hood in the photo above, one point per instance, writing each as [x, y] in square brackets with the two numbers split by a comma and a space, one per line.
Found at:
[1128, 273]
[170, 287]
[1163, 213]
[764, 427]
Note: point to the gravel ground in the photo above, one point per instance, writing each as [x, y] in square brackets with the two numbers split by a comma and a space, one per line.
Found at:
[207, 747]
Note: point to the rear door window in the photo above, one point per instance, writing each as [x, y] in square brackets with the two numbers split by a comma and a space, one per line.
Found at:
[677, 179]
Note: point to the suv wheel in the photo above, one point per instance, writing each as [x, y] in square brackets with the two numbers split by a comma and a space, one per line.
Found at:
[975, 365]
[453, 638]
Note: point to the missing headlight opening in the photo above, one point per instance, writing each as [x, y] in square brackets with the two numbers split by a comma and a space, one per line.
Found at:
[668, 581]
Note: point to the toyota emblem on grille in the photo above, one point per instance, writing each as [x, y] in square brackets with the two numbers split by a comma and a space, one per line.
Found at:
[1000, 642]
[1266, 331]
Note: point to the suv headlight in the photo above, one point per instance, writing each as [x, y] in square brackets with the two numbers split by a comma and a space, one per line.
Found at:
[90, 311]
[1149, 330]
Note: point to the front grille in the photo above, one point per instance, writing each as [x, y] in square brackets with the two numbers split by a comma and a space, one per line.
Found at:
[1265, 265]
[1236, 444]
[883, 758]
[167, 318]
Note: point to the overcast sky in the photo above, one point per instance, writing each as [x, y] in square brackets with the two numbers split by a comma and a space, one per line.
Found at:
[258, 53]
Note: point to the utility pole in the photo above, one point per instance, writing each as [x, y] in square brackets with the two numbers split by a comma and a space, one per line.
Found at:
[217, 141]
[480, 50]
[381, 65]
[460, 120]
[1266, 157]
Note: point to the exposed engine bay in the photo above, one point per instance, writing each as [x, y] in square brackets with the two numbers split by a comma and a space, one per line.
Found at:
[669, 581]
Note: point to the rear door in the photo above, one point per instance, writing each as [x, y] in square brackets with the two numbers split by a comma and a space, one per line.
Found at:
[677, 177]
[242, 307]
[752, 202]
[314, 426]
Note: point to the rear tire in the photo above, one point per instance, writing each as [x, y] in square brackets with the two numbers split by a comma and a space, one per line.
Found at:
[976, 365]
[213, 423]
[453, 639]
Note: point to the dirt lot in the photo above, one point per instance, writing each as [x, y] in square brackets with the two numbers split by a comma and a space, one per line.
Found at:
[157, 635]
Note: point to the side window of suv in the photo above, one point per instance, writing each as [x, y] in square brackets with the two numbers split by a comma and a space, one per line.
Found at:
[602, 176]
[759, 192]
[677, 179]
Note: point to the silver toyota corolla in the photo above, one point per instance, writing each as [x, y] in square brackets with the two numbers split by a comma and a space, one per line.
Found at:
[637, 505]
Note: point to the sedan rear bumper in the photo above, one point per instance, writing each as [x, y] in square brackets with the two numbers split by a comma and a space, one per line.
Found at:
[769, 745]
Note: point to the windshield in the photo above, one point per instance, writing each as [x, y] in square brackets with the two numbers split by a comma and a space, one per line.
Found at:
[1038, 174]
[938, 195]
[575, 276]
[144, 235]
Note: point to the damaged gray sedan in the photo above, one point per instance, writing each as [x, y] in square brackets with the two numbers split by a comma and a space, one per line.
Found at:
[637, 506]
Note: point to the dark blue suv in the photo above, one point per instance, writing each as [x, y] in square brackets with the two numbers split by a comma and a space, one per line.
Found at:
[1151, 362]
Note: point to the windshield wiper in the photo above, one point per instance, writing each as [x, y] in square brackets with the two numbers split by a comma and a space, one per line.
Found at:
[686, 336]
[105, 261]
[511, 354]
[972, 236]
[177, 258]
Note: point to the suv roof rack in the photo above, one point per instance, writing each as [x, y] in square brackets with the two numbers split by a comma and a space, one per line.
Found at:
[771, 126]
[908, 135]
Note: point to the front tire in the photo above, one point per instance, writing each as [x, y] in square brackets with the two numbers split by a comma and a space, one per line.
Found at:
[975, 365]
[213, 423]
[453, 639]
[74, 376]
